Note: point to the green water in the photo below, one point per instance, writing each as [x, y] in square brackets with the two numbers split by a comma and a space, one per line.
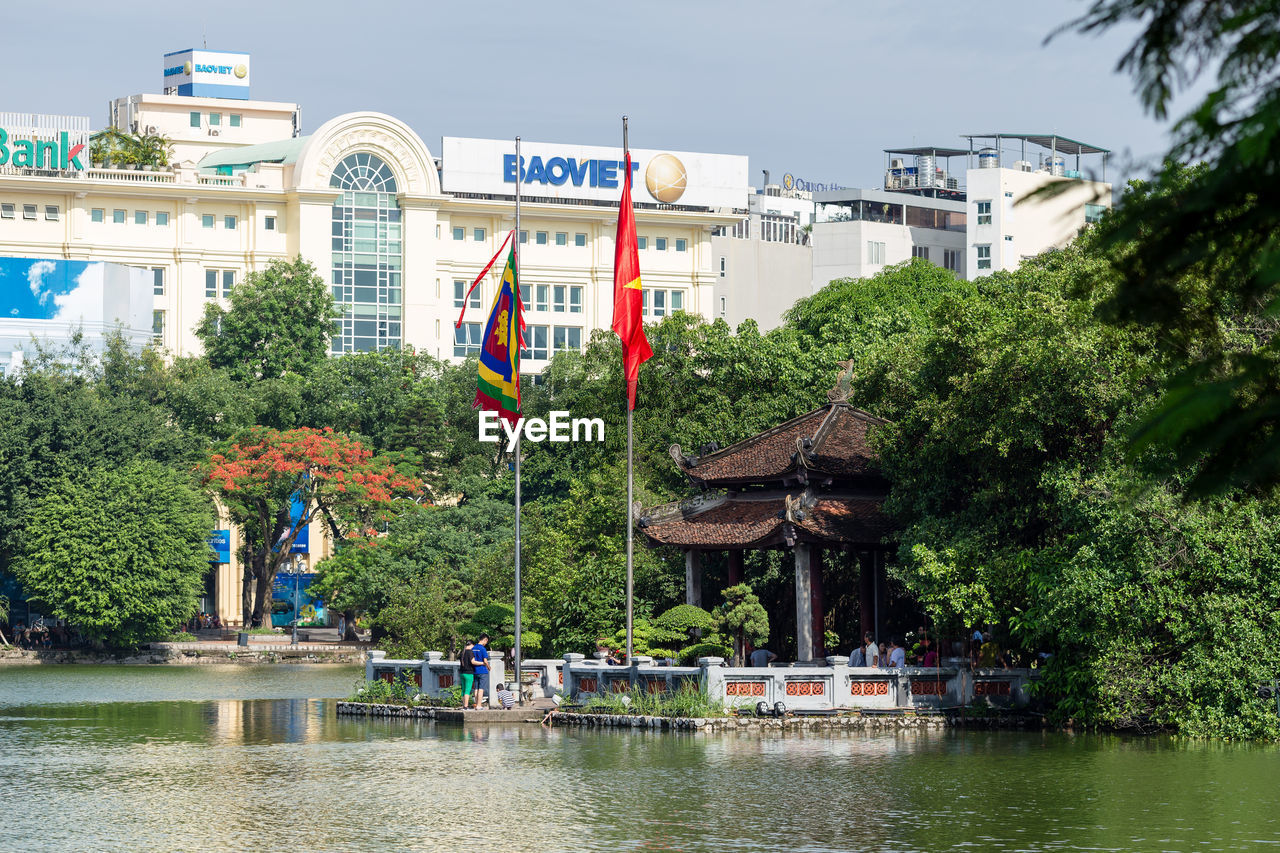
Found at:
[238, 758]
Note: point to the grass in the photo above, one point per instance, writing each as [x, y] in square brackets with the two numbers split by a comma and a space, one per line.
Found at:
[403, 692]
[182, 637]
[688, 701]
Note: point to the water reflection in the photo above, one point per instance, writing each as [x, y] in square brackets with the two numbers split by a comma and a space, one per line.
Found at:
[235, 773]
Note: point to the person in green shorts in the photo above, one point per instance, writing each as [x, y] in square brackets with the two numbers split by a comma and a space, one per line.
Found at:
[467, 672]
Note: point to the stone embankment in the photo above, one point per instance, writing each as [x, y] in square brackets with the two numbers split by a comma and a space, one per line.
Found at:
[447, 715]
[191, 654]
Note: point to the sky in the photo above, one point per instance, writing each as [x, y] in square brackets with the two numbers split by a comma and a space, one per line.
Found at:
[816, 89]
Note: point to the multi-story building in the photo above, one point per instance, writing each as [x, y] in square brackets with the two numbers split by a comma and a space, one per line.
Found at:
[763, 263]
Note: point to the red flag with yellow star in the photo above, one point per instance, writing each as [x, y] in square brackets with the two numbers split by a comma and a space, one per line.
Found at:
[628, 298]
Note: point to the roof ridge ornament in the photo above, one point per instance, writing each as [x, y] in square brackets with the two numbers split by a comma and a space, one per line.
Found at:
[844, 383]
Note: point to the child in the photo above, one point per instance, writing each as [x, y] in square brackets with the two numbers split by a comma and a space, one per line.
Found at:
[506, 698]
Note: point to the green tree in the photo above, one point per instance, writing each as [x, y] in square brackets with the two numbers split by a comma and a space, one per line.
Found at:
[742, 618]
[120, 553]
[279, 323]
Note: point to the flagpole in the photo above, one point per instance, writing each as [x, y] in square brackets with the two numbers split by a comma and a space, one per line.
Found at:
[630, 623]
[516, 254]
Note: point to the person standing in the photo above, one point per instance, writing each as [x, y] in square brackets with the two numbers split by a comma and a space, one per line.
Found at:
[871, 656]
[466, 672]
[858, 657]
[762, 657]
[480, 657]
[897, 654]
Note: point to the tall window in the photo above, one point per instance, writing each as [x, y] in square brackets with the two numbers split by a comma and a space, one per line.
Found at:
[535, 339]
[875, 252]
[460, 294]
[567, 337]
[467, 339]
[157, 280]
[367, 256]
[984, 213]
[920, 252]
[212, 279]
[984, 257]
[559, 303]
[951, 259]
[1093, 212]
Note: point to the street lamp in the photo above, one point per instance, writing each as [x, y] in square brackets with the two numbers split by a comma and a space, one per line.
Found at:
[296, 574]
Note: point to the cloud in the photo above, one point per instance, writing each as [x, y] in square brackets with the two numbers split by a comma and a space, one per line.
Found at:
[35, 277]
[83, 303]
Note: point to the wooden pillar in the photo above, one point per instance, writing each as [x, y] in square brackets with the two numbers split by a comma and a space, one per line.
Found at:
[693, 577]
[735, 567]
[819, 607]
[866, 593]
[804, 604]
[882, 594]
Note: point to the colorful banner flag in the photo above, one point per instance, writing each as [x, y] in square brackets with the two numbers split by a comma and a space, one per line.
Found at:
[628, 298]
[498, 382]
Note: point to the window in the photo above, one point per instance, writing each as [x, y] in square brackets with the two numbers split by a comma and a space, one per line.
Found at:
[162, 218]
[682, 245]
[1008, 238]
[644, 302]
[215, 119]
[524, 236]
[526, 294]
[1093, 212]
[211, 279]
[234, 119]
[7, 210]
[575, 300]
[206, 220]
[984, 213]
[875, 252]
[535, 342]
[95, 215]
[566, 337]
[269, 223]
[677, 300]
[543, 292]
[229, 223]
[558, 303]
[540, 238]
[642, 243]
[459, 233]
[562, 238]
[659, 303]
[579, 240]
[51, 212]
[984, 257]
[660, 243]
[724, 302]
[157, 280]
[117, 217]
[722, 267]
[157, 323]
[951, 259]
[467, 339]
[477, 234]
[195, 119]
[140, 217]
[28, 211]
[460, 293]
[921, 252]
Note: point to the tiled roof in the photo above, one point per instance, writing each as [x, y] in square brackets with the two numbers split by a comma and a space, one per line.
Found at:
[829, 442]
[738, 522]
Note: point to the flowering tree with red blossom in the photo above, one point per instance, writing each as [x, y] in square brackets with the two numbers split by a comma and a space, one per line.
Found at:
[261, 473]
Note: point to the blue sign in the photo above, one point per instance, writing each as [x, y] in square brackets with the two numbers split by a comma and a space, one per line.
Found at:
[310, 609]
[558, 171]
[220, 541]
[302, 543]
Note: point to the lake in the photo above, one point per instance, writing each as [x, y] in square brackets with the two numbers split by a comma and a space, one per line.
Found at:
[253, 757]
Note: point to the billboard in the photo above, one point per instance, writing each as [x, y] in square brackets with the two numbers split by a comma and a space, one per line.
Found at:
[220, 542]
[587, 172]
[207, 74]
[51, 300]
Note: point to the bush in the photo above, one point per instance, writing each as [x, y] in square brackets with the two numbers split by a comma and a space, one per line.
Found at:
[182, 637]
[688, 701]
[689, 656]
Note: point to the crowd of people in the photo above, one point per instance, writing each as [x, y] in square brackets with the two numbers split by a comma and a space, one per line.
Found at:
[37, 636]
[204, 622]
[919, 650]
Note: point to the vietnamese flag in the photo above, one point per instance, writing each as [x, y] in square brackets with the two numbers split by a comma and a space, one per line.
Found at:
[628, 298]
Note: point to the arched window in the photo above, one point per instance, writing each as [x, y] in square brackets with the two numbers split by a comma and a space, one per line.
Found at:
[364, 172]
[367, 256]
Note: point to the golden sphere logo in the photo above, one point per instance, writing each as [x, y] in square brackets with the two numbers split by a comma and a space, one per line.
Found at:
[186, 68]
[242, 70]
[788, 181]
[666, 178]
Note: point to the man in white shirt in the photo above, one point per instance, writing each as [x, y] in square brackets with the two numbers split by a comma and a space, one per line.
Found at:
[897, 654]
[871, 656]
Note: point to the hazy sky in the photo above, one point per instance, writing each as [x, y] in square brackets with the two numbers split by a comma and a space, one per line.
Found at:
[813, 88]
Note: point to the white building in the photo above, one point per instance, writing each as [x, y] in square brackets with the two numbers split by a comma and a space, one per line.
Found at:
[990, 220]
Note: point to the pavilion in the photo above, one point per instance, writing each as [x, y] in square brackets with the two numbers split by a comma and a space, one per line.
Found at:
[808, 485]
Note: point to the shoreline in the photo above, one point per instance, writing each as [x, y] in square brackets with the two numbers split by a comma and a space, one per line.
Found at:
[189, 654]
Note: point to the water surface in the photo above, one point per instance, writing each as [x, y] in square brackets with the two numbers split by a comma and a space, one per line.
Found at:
[233, 758]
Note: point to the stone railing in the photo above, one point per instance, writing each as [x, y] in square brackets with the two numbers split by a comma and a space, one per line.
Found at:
[135, 176]
[432, 675]
[835, 686]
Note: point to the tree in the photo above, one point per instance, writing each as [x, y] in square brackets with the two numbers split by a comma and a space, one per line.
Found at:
[262, 473]
[1198, 251]
[121, 553]
[743, 618]
[279, 323]
[427, 614]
